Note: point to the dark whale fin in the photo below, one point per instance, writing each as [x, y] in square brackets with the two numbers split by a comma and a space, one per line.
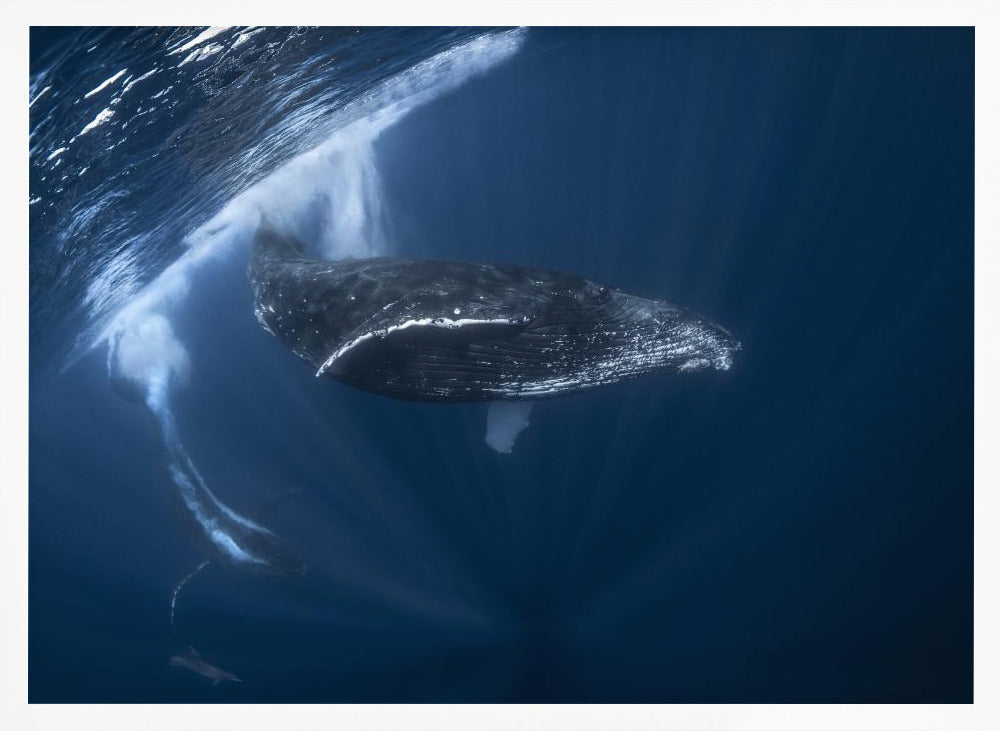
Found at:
[273, 246]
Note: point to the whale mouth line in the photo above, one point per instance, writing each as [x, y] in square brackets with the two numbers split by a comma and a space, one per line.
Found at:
[440, 322]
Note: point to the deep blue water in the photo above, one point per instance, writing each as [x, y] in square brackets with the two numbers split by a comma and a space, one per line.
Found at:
[797, 529]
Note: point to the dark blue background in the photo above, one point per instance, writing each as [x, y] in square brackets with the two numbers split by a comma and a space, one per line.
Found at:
[798, 529]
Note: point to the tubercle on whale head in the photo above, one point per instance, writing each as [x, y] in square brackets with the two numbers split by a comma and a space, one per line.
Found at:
[688, 340]
[723, 361]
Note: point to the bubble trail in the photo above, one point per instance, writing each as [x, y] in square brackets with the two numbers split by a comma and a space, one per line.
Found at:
[177, 591]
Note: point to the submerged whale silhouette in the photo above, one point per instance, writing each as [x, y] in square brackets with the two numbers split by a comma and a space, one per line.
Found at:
[193, 661]
[456, 331]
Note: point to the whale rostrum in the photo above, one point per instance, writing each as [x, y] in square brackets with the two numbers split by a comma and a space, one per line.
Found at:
[457, 331]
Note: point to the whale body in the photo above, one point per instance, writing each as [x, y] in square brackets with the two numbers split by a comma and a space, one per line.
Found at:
[457, 331]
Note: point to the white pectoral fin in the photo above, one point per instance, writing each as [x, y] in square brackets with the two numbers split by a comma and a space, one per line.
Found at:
[505, 420]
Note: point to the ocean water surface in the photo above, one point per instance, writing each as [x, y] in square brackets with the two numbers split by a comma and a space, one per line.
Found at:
[795, 529]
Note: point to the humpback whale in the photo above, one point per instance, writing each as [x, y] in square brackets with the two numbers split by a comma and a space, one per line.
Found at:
[455, 331]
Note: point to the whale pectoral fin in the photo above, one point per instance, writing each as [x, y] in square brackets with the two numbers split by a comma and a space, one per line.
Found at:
[505, 420]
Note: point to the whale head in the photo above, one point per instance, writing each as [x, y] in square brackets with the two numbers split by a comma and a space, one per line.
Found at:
[605, 335]
[680, 340]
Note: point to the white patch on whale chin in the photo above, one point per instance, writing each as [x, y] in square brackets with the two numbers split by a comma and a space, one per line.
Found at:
[505, 420]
